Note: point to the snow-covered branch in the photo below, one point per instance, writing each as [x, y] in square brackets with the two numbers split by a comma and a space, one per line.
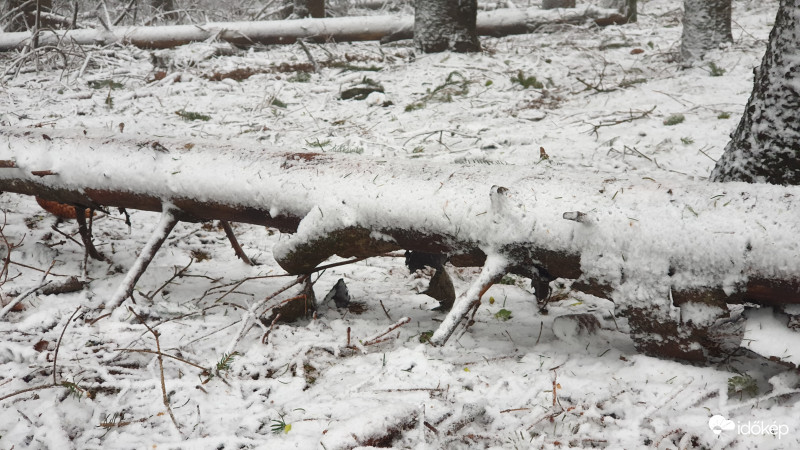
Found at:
[492, 23]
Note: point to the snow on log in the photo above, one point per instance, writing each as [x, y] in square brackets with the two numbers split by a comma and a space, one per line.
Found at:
[388, 27]
[735, 239]
[672, 254]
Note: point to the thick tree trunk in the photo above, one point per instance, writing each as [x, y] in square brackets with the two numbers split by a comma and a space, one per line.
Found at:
[166, 9]
[308, 8]
[441, 25]
[627, 8]
[552, 4]
[22, 13]
[706, 25]
[493, 23]
[630, 242]
[765, 148]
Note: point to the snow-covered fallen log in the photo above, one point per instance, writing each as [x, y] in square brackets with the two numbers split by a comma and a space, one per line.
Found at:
[493, 23]
[650, 245]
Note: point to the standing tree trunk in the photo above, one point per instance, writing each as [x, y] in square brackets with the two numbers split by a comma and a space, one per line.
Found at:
[552, 4]
[765, 148]
[168, 9]
[706, 25]
[626, 7]
[308, 8]
[441, 25]
[22, 14]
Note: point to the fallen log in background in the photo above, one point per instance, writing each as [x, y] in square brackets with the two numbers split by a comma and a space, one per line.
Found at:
[495, 23]
[649, 245]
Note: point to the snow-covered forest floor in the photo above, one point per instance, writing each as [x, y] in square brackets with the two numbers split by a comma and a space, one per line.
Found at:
[611, 100]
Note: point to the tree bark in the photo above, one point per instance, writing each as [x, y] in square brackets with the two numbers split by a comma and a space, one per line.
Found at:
[765, 148]
[308, 8]
[706, 25]
[441, 25]
[386, 28]
[552, 4]
[22, 13]
[639, 245]
[627, 8]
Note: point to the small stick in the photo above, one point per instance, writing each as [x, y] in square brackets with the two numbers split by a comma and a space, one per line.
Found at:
[43, 173]
[234, 243]
[160, 234]
[58, 345]
[348, 337]
[265, 338]
[7, 164]
[145, 350]
[176, 274]
[54, 228]
[377, 338]
[252, 312]
[24, 295]
[161, 368]
[308, 54]
[86, 235]
[541, 326]
[385, 311]
[515, 409]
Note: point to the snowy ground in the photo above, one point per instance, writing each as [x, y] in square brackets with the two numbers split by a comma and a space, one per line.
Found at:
[504, 383]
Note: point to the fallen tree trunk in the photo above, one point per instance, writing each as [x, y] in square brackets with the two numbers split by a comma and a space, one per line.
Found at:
[652, 246]
[388, 28]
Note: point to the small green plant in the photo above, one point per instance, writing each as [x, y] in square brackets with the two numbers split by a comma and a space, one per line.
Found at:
[275, 101]
[473, 161]
[300, 77]
[674, 119]
[190, 115]
[527, 82]
[742, 384]
[320, 144]
[629, 83]
[687, 140]
[344, 148]
[280, 426]
[74, 389]
[488, 83]
[508, 280]
[425, 336]
[503, 315]
[724, 115]
[224, 364]
[454, 84]
[715, 70]
[101, 84]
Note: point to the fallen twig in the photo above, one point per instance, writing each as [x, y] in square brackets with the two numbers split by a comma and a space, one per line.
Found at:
[58, 345]
[377, 338]
[164, 396]
[611, 123]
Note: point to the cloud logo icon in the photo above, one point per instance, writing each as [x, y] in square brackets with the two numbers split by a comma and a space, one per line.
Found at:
[719, 423]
